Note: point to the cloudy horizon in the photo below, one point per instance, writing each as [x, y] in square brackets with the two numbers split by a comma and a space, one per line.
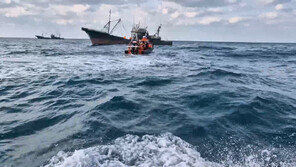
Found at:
[200, 20]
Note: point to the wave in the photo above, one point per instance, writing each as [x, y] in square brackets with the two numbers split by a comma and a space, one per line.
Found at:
[259, 53]
[206, 47]
[119, 103]
[153, 82]
[150, 150]
[79, 81]
[217, 73]
[21, 52]
[131, 150]
[217, 48]
[32, 127]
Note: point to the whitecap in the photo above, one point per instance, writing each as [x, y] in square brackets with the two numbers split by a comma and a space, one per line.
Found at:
[163, 150]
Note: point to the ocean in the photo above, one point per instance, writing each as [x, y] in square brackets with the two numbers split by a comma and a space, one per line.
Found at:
[65, 103]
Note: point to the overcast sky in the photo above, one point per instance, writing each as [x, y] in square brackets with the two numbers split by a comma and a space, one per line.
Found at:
[202, 20]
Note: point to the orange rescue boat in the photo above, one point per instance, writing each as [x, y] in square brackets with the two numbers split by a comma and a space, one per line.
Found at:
[142, 46]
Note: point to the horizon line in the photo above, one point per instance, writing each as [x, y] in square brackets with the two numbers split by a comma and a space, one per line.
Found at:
[214, 41]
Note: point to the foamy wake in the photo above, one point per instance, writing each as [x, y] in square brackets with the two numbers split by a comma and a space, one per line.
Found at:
[130, 150]
[165, 150]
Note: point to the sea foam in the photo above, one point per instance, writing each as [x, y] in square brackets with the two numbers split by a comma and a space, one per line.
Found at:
[130, 150]
[165, 150]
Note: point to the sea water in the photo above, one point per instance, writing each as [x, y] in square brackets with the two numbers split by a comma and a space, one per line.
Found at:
[65, 103]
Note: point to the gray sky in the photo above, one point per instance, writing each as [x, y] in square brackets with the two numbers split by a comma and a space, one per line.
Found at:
[205, 20]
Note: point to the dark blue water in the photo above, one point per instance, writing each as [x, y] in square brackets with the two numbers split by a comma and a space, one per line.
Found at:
[66, 103]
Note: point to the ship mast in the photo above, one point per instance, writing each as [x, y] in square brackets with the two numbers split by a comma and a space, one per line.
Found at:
[107, 27]
[109, 22]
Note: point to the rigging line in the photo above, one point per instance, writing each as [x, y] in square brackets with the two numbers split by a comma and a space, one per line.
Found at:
[123, 27]
[115, 26]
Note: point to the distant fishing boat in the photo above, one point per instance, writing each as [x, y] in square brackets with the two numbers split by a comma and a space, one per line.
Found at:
[104, 37]
[52, 36]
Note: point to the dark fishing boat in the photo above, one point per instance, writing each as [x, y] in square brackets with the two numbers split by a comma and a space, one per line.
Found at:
[104, 37]
[156, 39]
[51, 37]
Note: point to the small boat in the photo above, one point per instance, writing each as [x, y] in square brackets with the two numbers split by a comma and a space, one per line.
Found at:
[140, 42]
[142, 46]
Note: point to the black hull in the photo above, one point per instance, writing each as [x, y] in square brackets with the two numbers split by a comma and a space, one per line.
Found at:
[41, 37]
[102, 38]
[57, 38]
[160, 42]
